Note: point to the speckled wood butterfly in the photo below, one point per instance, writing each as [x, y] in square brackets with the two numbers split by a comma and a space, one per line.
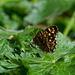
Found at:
[46, 39]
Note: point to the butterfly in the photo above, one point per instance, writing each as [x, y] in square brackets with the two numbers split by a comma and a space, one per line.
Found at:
[46, 39]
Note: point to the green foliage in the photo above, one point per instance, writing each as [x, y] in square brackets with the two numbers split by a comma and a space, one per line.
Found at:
[48, 8]
[18, 54]
[17, 14]
[70, 25]
[22, 57]
[12, 13]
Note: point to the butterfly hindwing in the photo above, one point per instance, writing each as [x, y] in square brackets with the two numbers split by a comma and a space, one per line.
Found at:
[41, 36]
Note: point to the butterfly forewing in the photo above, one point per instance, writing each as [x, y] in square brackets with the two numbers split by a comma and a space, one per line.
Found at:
[51, 33]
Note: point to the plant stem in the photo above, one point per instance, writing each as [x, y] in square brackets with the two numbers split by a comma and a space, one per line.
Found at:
[69, 26]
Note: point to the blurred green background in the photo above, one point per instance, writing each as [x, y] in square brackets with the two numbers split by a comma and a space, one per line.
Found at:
[17, 14]
[19, 22]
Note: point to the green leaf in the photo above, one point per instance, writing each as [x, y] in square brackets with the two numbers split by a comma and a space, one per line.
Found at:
[6, 21]
[43, 9]
[53, 63]
[10, 61]
[32, 60]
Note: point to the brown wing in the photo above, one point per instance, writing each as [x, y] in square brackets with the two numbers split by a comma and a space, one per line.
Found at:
[51, 37]
[40, 38]
[53, 45]
[45, 39]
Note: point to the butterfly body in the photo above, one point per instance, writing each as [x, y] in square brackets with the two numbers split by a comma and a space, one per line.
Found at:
[45, 39]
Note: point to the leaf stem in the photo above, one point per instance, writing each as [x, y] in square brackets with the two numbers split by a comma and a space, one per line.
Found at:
[69, 26]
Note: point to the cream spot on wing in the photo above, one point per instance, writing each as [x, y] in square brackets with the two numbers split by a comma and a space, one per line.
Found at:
[49, 29]
[52, 31]
[53, 28]
[42, 32]
[51, 37]
[49, 34]
[44, 35]
[49, 40]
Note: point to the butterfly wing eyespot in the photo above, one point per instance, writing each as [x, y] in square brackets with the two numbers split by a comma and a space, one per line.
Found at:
[46, 39]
